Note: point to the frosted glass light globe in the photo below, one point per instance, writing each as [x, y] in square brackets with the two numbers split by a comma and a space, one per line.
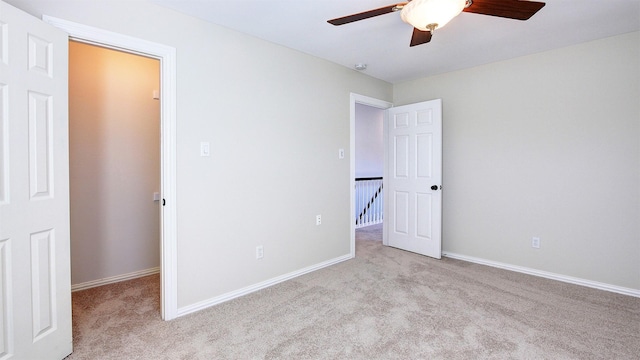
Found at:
[421, 13]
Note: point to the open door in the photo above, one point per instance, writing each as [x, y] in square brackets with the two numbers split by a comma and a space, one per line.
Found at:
[413, 178]
[35, 281]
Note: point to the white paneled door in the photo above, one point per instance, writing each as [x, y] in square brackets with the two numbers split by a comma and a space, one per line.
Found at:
[35, 282]
[413, 178]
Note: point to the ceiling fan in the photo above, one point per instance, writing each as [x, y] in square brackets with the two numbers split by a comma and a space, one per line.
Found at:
[427, 15]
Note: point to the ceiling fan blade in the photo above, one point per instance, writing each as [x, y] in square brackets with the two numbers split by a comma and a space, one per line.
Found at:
[512, 9]
[420, 37]
[365, 15]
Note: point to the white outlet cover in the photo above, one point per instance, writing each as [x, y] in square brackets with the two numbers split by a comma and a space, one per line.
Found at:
[535, 242]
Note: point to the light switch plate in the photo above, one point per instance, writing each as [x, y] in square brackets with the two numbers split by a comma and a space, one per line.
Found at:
[205, 149]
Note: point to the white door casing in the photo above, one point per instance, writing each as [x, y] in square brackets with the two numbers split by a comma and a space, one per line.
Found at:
[35, 280]
[413, 178]
[168, 73]
[369, 101]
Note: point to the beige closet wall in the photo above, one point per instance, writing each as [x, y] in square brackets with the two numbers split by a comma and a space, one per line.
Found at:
[114, 134]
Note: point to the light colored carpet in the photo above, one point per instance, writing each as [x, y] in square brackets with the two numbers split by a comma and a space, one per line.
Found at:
[385, 304]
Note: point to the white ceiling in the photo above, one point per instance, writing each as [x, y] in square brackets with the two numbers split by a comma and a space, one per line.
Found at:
[383, 42]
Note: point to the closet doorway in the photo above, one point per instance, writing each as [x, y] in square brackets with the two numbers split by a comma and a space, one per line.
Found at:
[114, 146]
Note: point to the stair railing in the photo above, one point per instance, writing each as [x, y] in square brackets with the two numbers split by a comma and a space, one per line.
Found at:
[369, 204]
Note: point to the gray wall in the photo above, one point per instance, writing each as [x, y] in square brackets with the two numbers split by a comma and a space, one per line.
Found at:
[545, 145]
[275, 119]
[369, 141]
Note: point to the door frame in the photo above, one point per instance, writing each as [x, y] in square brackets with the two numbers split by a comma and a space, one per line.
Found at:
[369, 101]
[168, 224]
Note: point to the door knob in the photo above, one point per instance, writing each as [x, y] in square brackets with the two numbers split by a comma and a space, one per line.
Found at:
[434, 187]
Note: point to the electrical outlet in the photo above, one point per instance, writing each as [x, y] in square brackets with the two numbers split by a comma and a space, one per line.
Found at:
[318, 219]
[259, 252]
[535, 242]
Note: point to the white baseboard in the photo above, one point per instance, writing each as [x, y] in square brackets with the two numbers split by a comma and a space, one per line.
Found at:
[114, 279]
[259, 286]
[545, 274]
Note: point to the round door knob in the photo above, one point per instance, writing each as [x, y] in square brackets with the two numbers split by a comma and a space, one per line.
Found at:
[434, 187]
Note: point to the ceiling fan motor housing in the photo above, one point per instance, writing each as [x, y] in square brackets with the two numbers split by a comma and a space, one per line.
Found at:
[427, 15]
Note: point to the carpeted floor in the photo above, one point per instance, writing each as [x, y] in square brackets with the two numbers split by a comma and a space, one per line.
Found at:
[384, 304]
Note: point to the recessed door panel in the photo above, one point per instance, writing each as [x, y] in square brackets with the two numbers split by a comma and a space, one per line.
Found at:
[424, 155]
[40, 142]
[401, 121]
[423, 216]
[401, 157]
[401, 206]
[40, 56]
[4, 43]
[43, 274]
[6, 328]
[424, 117]
[4, 142]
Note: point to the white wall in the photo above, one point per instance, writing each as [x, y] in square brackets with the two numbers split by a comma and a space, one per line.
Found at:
[545, 145]
[114, 142]
[275, 118]
[369, 141]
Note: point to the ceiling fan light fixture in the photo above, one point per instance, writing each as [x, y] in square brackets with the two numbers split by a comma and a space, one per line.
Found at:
[426, 15]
